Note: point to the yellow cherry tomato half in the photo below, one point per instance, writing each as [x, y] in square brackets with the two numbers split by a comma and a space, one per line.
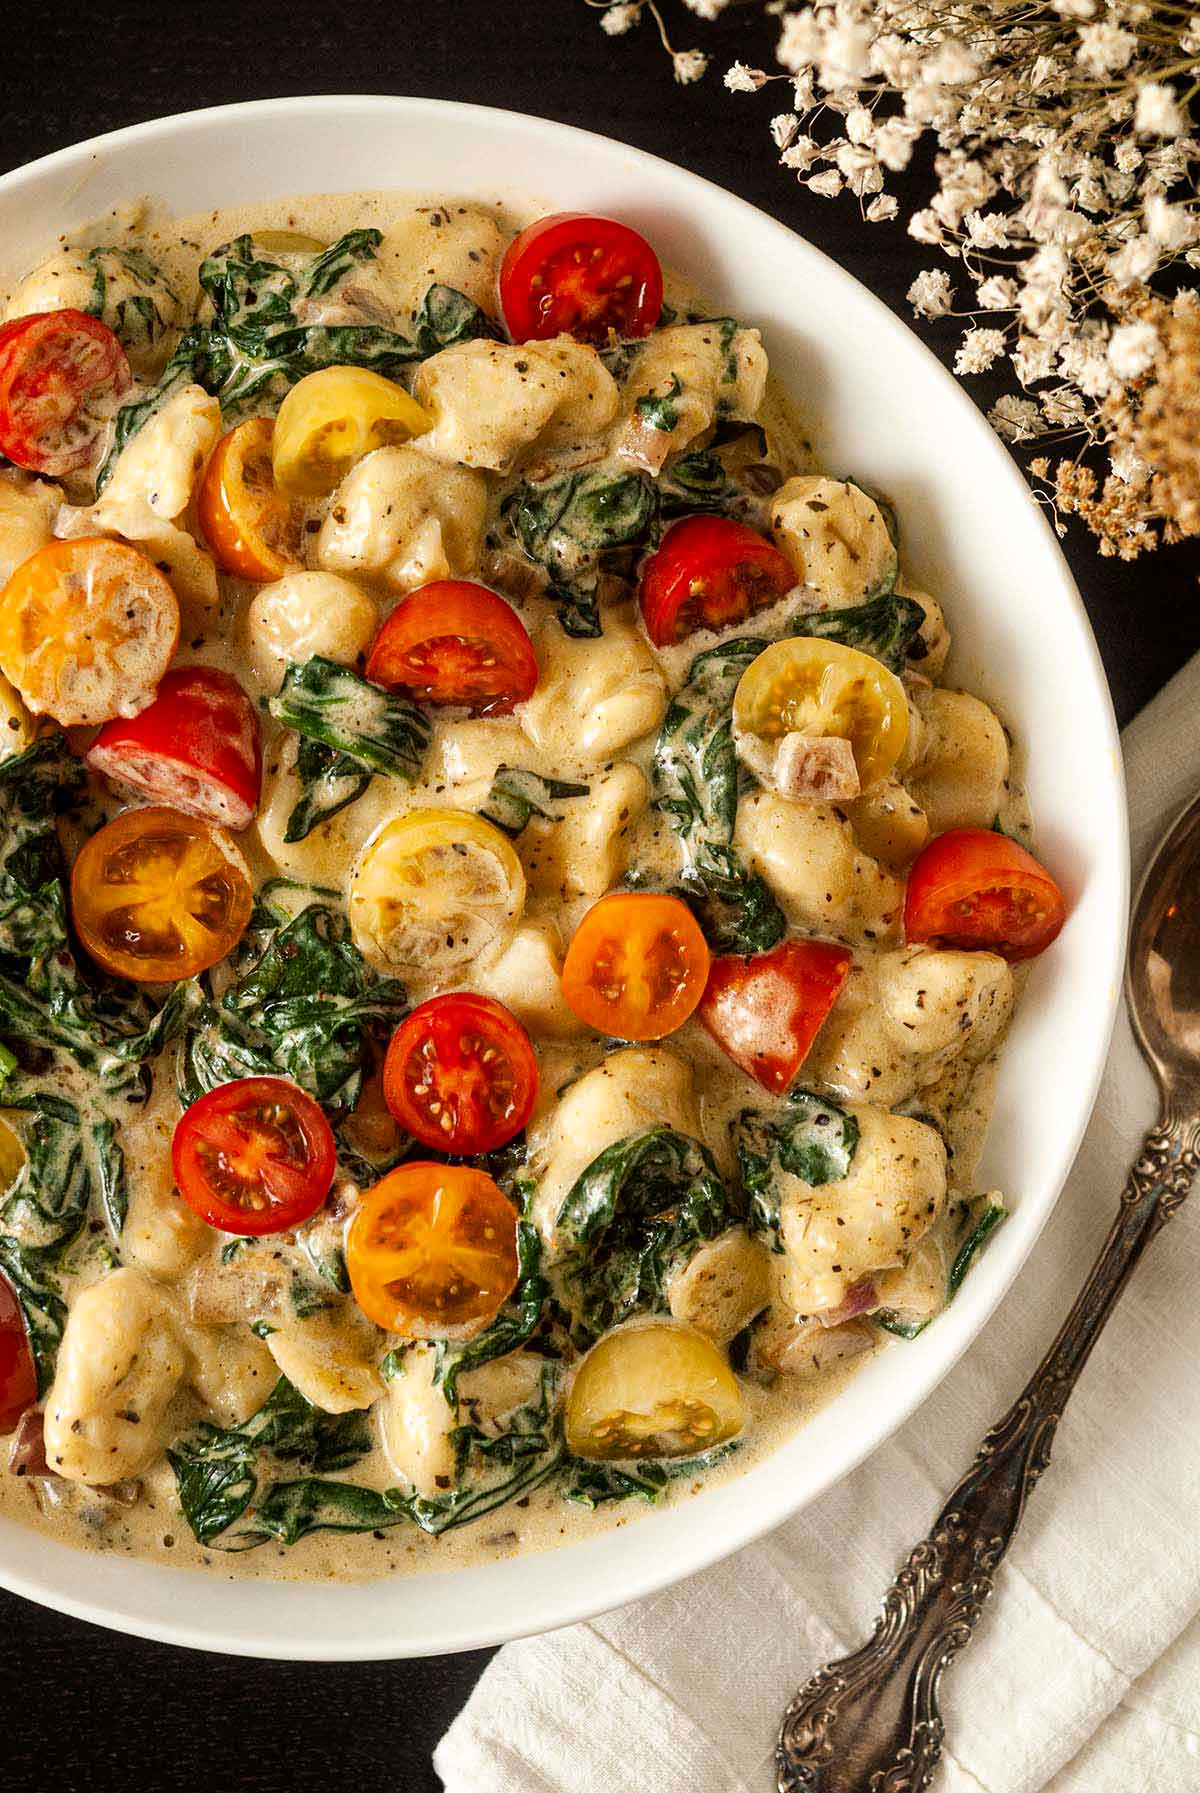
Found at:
[334, 417]
[87, 630]
[157, 895]
[432, 1251]
[812, 687]
[652, 1389]
[253, 532]
[433, 889]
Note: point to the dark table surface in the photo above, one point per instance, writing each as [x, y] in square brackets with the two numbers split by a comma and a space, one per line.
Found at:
[87, 1708]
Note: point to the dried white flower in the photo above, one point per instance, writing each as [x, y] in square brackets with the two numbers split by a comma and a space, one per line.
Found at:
[784, 126]
[925, 227]
[1016, 419]
[1136, 261]
[801, 155]
[1131, 350]
[997, 293]
[894, 142]
[800, 42]
[882, 208]
[1171, 225]
[741, 78]
[931, 294]
[1033, 360]
[987, 230]
[827, 185]
[617, 20]
[1104, 49]
[978, 350]
[706, 9]
[1158, 113]
[689, 65]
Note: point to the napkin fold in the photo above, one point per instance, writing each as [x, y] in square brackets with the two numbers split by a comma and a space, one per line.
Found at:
[1085, 1675]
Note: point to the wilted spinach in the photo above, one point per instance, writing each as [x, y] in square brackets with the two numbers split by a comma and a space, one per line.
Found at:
[139, 318]
[80, 1046]
[516, 795]
[255, 346]
[332, 705]
[329, 782]
[595, 1484]
[886, 627]
[695, 776]
[638, 1211]
[729, 477]
[302, 1004]
[573, 527]
[979, 1221]
[810, 1138]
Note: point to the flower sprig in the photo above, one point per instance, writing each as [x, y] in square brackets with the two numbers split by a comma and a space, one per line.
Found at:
[1066, 200]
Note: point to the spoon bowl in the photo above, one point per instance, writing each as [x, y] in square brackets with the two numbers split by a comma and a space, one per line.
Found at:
[1163, 975]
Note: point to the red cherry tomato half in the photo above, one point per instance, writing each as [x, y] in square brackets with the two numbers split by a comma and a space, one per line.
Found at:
[455, 642]
[254, 1156]
[572, 274]
[707, 573]
[975, 889]
[61, 373]
[765, 1012]
[460, 1074]
[196, 748]
[18, 1377]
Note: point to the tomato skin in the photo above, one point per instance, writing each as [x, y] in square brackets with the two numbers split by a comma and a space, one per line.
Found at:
[251, 529]
[60, 371]
[708, 573]
[254, 1156]
[156, 895]
[197, 748]
[18, 1374]
[766, 1011]
[579, 275]
[637, 965]
[455, 642]
[432, 1251]
[974, 889]
[439, 1048]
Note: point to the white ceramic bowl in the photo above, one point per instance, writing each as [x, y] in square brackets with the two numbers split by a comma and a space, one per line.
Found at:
[883, 408]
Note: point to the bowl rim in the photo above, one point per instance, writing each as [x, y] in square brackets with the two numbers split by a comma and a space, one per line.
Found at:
[1012, 488]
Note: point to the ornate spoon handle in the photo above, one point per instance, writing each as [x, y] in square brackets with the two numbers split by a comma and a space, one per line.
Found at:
[870, 1723]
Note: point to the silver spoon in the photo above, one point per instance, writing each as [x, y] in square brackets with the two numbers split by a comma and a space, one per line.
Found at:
[869, 1723]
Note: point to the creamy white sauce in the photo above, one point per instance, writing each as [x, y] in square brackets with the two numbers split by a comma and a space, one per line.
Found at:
[162, 1236]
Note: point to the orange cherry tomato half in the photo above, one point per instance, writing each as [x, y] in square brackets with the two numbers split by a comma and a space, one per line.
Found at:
[765, 1012]
[254, 1156]
[975, 889]
[18, 1375]
[455, 642]
[196, 748]
[432, 1251]
[708, 573]
[576, 275]
[637, 966]
[87, 630]
[61, 374]
[460, 1074]
[253, 531]
[157, 895]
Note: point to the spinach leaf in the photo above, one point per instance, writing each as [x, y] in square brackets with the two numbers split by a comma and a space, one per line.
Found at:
[191, 362]
[218, 1470]
[448, 316]
[331, 267]
[334, 706]
[636, 1212]
[572, 527]
[660, 411]
[885, 626]
[139, 318]
[730, 476]
[695, 779]
[983, 1217]
[810, 1138]
[595, 1484]
[304, 1005]
[30, 1270]
[517, 795]
[330, 781]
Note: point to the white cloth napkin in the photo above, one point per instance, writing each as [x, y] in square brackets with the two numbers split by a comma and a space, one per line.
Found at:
[1085, 1675]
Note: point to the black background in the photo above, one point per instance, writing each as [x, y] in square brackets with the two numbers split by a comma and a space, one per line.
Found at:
[85, 1708]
